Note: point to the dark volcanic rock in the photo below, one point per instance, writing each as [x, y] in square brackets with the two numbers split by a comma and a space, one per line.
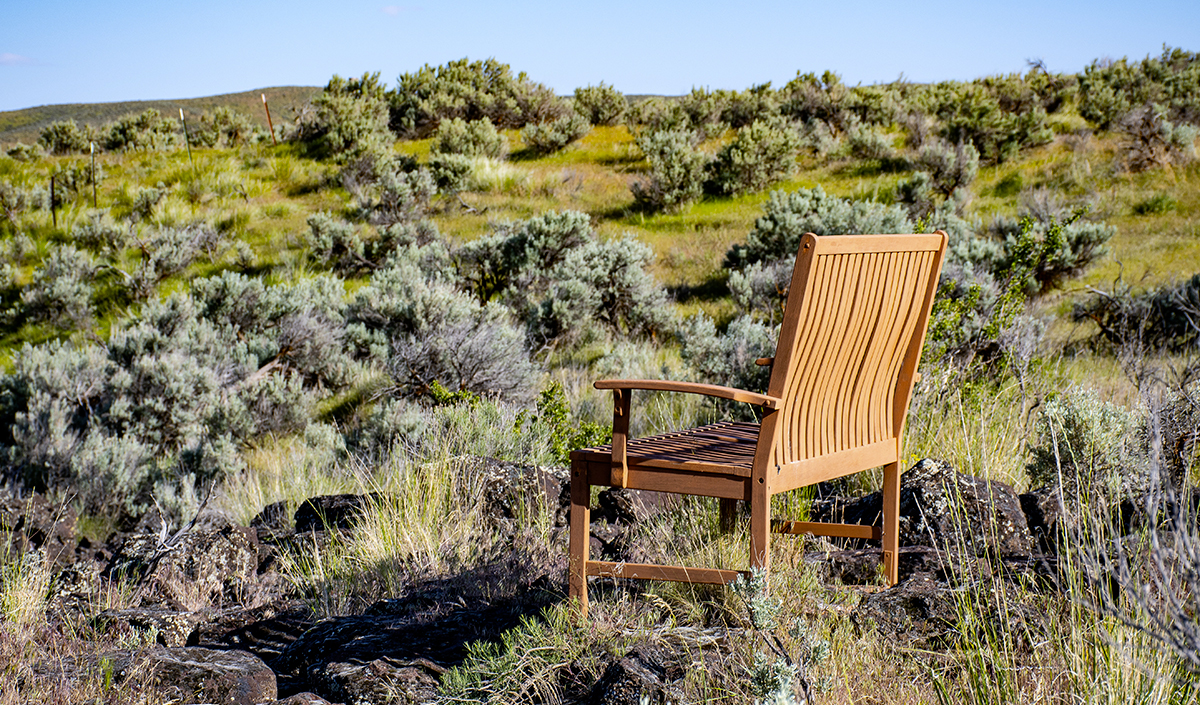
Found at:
[644, 675]
[512, 490]
[962, 514]
[383, 680]
[919, 612]
[191, 571]
[172, 627]
[941, 507]
[304, 699]
[1043, 509]
[273, 519]
[204, 675]
[34, 523]
[341, 511]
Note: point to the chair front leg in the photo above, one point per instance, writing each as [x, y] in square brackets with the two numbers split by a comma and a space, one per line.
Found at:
[891, 523]
[580, 537]
[620, 436]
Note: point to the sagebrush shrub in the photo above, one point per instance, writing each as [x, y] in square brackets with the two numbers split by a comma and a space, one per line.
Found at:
[600, 105]
[728, 358]
[761, 289]
[149, 130]
[788, 216]
[470, 90]
[677, 170]
[756, 103]
[477, 138]
[549, 137]
[1153, 141]
[223, 127]
[22, 152]
[949, 167]
[65, 137]
[1164, 317]
[350, 118]
[1087, 447]
[866, 142]
[761, 154]
[61, 290]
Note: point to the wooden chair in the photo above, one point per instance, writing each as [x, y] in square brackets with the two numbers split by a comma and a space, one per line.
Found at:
[839, 391]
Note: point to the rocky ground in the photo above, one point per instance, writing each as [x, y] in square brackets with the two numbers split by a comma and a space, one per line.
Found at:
[231, 629]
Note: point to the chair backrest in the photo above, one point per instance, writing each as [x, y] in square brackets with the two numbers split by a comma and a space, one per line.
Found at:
[851, 338]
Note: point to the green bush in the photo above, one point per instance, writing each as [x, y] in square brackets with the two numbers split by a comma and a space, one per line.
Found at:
[1156, 204]
[1165, 317]
[677, 170]
[22, 152]
[1086, 446]
[600, 105]
[788, 216]
[148, 130]
[1109, 90]
[757, 103]
[549, 137]
[470, 91]
[1153, 141]
[349, 119]
[477, 138]
[868, 143]
[65, 137]
[223, 127]
[728, 359]
[451, 172]
[519, 256]
[761, 154]
[811, 97]
[950, 168]
[61, 289]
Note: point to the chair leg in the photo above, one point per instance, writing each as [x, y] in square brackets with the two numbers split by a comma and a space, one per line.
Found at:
[581, 495]
[728, 515]
[760, 528]
[891, 523]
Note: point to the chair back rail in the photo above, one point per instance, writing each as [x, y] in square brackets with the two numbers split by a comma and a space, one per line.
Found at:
[853, 326]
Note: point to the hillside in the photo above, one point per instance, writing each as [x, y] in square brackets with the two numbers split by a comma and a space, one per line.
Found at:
[25, 125]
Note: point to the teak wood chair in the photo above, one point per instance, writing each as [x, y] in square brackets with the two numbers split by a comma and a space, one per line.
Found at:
[839, 391]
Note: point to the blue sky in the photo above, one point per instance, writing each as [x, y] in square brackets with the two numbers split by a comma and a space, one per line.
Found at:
[65, 51]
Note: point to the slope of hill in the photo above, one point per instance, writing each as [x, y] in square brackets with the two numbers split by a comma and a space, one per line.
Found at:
[25, 125]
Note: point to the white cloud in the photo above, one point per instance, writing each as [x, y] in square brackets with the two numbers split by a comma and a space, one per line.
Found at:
[7, 59]
[391, 10]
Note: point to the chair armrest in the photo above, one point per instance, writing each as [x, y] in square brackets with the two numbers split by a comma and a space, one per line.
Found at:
[765, 361]
[708, 390]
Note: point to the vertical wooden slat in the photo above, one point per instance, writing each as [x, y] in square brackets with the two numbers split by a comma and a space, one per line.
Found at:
[581, 497]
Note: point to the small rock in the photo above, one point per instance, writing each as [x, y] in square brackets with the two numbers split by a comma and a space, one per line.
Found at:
[205, 675]
[1043, 509]
[194, 571]
[303, 699]
[641, 676]
[919, 612]
[381, 681]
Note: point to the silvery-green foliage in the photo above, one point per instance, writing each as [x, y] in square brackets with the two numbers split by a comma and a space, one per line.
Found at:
[677, 169]
[105, 468]
[761, 289]
[335, 243]
[751, 105]
[477, 138]
[811, 97]
[223, 127]
[351, 118]
[704, 111]
[604, 286]
[522, 254]
[145, 201]
[166, 251]
[728, 358]
[149, 130]
[1164, 317]
[450, 171]
[554, 135]
[399, 197]
[389, 422]
[867, 142]
[15, 200]
[600, 105]
[761, 154]
[438, 333]
[22, 152]
[1108, 89]
[788, 216]
[658, 115]
[817, 137]
[916, 194]
[99, 233]
[65, 137]
[61, 289]
[470, 90]
[1088, 447]
[949, 167]
[1081, 243]
[1151, 140]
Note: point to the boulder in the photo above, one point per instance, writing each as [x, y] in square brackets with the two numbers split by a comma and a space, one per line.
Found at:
[964, 515]
[191, 571]
[197, 674]
[340, 511]
[643, 676]
[1043, 509]
[919, 612]
[383, 680]
[940, 507]
[513, 490]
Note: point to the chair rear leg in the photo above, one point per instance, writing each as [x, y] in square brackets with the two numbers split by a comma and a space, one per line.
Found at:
[581, 496]
[728, 515]
[891, 523]
[760, 527]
